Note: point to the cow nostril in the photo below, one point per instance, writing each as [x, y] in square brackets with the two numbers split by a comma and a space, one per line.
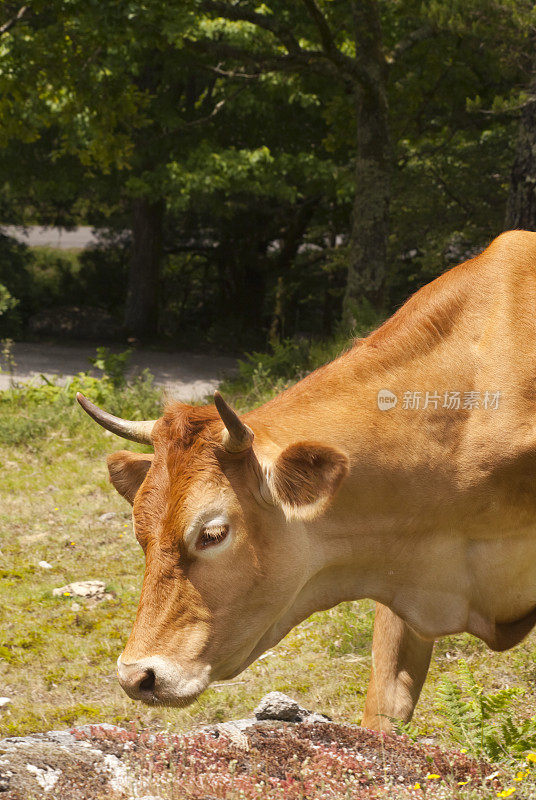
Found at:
[147, 684]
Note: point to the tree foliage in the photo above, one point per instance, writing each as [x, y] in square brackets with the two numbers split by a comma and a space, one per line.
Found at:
[268, 160]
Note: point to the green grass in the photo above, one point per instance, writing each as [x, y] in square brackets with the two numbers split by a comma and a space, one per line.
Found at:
[58, 664]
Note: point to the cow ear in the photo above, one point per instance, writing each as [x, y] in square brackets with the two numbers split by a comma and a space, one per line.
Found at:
[127, 472]
[305, 477]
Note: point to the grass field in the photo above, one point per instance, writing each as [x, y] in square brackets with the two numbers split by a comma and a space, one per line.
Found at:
[58, 664]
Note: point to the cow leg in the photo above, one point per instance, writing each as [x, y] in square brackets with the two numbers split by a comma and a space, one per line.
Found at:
[400, 661]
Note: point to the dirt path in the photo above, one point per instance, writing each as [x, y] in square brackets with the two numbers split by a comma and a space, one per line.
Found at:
[184, 376]
[37, 236]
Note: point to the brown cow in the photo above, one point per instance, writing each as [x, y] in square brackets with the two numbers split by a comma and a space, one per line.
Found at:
[404, 471]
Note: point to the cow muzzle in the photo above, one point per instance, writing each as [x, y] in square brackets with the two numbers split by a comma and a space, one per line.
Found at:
[157, 681]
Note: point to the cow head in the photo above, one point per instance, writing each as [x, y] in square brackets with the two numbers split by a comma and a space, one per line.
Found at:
[222, 520]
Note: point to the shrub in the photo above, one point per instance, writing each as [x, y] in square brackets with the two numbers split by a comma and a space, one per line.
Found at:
[52, 405]
[113, 365]
[262, 375]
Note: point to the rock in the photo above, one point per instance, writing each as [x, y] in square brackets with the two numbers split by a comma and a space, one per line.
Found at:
[313, 718]
[234, 733]
[101, 726]
[46, 778]
[93, 589]
[106, 517]
[44, 565]
[4, 701]
[64, 764]
[92, 762]
[276, 705]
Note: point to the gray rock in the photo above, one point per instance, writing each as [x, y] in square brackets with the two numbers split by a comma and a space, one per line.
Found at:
[46, 777]
[42, 765]
[279, 706]
[314, 718]
[276, 705]
[236, 724]
[65, 738]
[101, 726]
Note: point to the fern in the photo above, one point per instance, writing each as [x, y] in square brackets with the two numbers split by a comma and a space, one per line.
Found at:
[409, 729]
[483, 723]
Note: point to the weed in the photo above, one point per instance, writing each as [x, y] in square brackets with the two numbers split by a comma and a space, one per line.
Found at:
[7, 357]
[113, 365]
[484, 723]
[263, 375]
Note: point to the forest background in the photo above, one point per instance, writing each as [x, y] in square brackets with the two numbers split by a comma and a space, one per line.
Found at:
[256, 172]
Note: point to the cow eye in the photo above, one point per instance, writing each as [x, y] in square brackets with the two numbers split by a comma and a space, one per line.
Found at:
[211, 535]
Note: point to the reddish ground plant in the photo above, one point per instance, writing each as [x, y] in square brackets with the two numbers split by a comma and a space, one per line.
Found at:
[282, 761]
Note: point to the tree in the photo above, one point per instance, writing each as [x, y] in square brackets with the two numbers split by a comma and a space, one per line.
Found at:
[344, 42]
[416, 76]
[152, 131]
[521, 209]
[116, 88]
[236, 140]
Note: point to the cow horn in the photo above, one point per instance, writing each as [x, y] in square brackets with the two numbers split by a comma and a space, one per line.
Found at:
[135, 431]
[236, 436]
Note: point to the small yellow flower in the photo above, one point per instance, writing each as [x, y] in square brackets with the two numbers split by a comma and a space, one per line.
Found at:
[56, 509]
[463, 750]
[531, 757]
[507, 792]
[463, 783]
[520, 776]
[417, 786]
[432, 777]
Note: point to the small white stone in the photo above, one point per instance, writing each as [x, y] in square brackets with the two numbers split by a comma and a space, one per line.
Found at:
[107, 516]
[75, 607]
[81, 589]
[4, 701]
[44, 565]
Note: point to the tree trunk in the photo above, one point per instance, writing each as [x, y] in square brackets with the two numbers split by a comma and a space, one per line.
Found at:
[141, 309]
[521, 207]
[370, 223]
